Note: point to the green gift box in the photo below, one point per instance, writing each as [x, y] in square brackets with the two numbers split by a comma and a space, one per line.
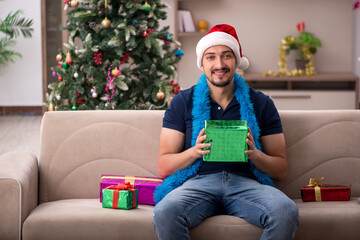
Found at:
[114, 197]
[228, 140]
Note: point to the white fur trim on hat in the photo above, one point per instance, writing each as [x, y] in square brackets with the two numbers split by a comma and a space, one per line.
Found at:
[220, 38]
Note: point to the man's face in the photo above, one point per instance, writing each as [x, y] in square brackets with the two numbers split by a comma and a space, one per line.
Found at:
[219, 64]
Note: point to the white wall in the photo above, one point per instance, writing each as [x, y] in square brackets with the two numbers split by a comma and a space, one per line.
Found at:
[170, 15]
[261, 24]
[21, 82]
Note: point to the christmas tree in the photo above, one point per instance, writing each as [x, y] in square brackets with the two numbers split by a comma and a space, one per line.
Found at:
[116, 57]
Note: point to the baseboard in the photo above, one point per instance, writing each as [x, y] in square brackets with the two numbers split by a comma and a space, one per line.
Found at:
[21, 110]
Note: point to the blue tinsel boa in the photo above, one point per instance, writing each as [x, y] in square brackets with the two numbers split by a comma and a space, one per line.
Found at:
[200, 113]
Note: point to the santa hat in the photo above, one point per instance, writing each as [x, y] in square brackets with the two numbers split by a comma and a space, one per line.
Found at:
[222, 34]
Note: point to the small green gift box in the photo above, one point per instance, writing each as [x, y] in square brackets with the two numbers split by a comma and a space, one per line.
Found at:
[121, 196]
[228, 140]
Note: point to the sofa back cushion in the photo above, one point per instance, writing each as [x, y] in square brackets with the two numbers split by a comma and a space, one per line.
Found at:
[321, 144]
[76, 147]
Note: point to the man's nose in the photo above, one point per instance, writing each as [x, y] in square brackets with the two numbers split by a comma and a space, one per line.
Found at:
[219, 62]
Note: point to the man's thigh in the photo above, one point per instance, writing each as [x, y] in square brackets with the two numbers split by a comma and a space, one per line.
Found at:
[197, 199]
[253, 201]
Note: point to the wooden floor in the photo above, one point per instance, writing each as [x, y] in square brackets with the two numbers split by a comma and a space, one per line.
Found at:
[20, 133]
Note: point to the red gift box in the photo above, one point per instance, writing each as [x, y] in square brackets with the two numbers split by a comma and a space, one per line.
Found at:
[315, 191]
[145, 185]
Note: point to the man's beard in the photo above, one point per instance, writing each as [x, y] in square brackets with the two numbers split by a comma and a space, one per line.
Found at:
[220, 84]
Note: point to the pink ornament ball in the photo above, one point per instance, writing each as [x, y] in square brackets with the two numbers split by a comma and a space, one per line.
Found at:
[54, 74]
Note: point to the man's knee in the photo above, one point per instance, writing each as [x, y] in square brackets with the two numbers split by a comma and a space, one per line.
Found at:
[286, 212]
[164, 211]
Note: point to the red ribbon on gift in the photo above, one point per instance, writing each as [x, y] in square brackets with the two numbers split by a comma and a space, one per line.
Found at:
[122, 186]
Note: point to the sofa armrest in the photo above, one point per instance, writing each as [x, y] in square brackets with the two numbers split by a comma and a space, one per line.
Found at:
[19, 191]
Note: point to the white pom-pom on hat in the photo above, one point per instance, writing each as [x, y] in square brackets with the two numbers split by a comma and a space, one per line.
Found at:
[244, 63]
[222, 34]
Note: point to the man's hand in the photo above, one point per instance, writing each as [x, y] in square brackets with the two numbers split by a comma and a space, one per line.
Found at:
[273, 158]
[200, 145]
[252, 152]
[171, 155]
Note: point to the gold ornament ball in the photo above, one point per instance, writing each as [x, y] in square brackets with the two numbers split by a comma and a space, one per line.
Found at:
[160, 95]
[115, 72]
[59, 57]
[106, 23]
[74, 3]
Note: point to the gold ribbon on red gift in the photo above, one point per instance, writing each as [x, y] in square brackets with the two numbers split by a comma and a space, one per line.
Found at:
[122, 186]
[315, 183]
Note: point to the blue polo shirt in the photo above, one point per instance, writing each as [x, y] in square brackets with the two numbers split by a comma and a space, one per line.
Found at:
[178, 116]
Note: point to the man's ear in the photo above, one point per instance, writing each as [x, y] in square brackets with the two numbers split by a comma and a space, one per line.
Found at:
[202, 68]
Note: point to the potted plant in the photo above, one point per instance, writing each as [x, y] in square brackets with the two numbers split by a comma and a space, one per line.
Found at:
[306, 42]
[12, 26]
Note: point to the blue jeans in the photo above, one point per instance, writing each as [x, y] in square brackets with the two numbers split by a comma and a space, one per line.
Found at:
[207, 195]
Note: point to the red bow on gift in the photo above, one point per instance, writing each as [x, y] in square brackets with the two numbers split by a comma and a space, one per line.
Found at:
[117, 188]
[121, 186]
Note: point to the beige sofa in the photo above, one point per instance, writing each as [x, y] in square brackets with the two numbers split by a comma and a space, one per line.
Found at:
[56, 196]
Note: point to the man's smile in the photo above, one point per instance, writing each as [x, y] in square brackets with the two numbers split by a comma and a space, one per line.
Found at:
[220, 72]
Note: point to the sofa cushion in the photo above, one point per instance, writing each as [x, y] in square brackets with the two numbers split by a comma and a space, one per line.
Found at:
[329, 220]
[86, 219]
[77, 147]
[321, 144]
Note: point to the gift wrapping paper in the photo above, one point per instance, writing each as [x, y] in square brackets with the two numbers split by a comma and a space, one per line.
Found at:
[228, 140]
[119, 199]
[315, 191]
[145, 186]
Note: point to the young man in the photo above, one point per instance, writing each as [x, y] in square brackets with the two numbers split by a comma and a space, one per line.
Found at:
[195, 190]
